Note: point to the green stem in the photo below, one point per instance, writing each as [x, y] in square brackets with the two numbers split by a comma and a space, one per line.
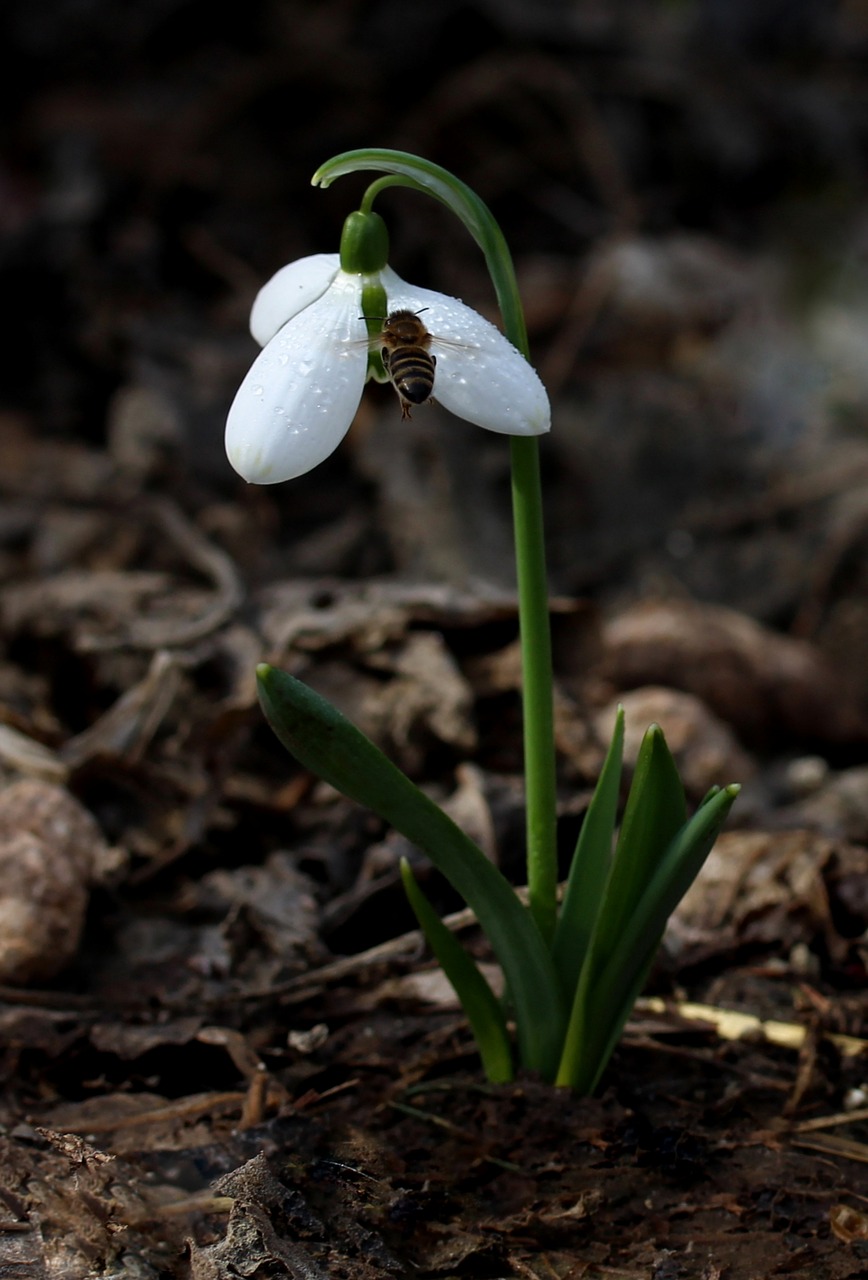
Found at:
[536, 665]
[382, 184]
[411, 171]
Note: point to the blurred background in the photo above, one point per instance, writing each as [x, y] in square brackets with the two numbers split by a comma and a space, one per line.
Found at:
[682, 183]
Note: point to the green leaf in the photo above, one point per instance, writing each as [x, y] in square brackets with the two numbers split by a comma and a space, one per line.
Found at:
[589, 868]
[608, 1024]
[606, 995]
[477, 998]
[656, 809]
[677, 869]
[328, 744]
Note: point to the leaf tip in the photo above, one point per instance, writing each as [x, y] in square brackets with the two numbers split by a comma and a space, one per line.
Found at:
[268, 683]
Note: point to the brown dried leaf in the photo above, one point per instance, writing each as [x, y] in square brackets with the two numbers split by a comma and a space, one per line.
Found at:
[133, 1040]
[25, 755]
[312, 615]
[760, 682]
[126, 729]
[277, 899]
[81, 1204]
[252, 1245]
[839, 805]
[428, 694]
[427, 700]
[704, 748]
[82, 604]
[758, 887]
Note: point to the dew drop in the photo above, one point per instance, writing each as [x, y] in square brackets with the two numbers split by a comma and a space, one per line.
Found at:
[257, 391]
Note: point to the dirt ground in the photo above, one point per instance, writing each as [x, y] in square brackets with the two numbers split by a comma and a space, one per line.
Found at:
[224, 1051]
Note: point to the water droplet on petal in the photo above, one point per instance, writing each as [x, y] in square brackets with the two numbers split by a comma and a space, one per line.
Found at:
[257, 391]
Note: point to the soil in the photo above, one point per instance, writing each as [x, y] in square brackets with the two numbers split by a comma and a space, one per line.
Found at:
[224, 1050]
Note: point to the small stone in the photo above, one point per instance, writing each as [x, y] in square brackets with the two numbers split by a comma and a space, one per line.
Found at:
[51, 850]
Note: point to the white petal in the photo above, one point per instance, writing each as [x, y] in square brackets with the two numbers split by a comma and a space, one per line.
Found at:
[289, 291]
[302, 392]
[483, 378]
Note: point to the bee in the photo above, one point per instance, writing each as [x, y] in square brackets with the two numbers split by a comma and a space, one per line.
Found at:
[405, 348]
[405, 343]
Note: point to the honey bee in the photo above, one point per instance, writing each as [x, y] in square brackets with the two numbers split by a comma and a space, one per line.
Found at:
[405, 348]
[405, 343]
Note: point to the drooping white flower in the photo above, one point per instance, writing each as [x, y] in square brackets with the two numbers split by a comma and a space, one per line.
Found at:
[301, 394]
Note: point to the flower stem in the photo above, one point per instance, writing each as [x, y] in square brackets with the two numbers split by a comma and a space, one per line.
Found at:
[382, 184]
[411, 171]
[536, 664]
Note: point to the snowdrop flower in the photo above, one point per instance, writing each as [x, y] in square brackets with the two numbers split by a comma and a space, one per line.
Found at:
[301, 394]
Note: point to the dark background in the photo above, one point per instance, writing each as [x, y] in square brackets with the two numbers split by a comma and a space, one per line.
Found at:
[682, 185]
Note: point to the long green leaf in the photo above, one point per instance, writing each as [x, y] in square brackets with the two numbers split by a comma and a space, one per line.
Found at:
[478, 1001]
[656, 809]
[678, 868]
[589, 868]
[328, 744]
[608, 1025]
[603, 1003]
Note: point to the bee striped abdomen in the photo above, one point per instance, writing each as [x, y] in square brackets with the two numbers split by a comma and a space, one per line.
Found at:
[411, 369]
[407, 360]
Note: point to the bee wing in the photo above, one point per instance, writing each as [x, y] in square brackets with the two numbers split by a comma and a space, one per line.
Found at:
[481, 377]
[373, 342]
[450, 344]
